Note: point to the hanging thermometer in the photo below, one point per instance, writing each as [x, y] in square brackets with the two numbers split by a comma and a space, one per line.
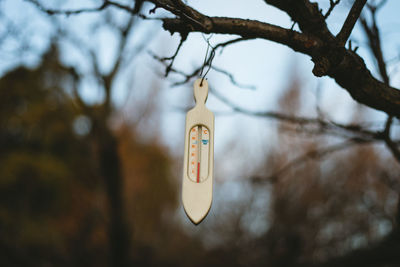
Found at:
[198, 157]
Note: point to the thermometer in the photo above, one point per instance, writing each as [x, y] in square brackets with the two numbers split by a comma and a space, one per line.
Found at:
[198, 156]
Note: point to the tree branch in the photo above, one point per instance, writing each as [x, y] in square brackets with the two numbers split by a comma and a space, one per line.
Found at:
[350, 21]
[374, 43]
[314, 154]
[356, 133]
[196, 72]
[391, 145]
[249, 29]
[172, 58]
[105, 4]
[307, 15]
[333, 4]
[232, 79]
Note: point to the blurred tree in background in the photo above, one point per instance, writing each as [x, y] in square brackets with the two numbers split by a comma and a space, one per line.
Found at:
[52, 198]
[331, 201]
[46, 185]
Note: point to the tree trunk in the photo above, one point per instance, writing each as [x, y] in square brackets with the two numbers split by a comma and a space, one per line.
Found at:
[110, 170]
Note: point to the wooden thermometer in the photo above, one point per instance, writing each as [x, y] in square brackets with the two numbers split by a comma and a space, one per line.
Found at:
[198, 157]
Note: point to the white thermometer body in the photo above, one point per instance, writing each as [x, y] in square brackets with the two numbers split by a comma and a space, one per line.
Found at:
[198, 157]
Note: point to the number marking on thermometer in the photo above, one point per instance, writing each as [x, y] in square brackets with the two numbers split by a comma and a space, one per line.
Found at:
[199, 153]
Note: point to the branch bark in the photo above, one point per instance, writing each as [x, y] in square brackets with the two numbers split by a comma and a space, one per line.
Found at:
[350, 21]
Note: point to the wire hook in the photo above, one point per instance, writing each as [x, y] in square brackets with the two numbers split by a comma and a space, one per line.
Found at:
[207, 59]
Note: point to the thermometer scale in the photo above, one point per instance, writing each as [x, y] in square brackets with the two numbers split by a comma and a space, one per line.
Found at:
[198, 156]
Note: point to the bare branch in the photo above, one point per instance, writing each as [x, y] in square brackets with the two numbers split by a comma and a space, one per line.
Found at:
[81, 104]
[355, 132]
[374, 41]
[196, 72]
[232, 79]
[172, 58]
[248, 29]
[375, 7]
[267, 114]
[333, 4]
[105, 4]
[302, 121]
[311, 154]
[391, 145]
[350, 21]
[307, 15]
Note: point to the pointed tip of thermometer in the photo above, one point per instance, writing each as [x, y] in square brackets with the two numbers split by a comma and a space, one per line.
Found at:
[196, 215]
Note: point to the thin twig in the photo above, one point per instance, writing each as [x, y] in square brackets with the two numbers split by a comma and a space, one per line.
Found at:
[68, 12]
[391, 145]
[197, 72]
[374, 42]
[313, 154]
[232, 79]
[172, 58]
[333, 4]
[350, 21]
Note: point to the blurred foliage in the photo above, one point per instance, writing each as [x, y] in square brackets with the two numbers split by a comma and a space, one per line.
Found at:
[326, 205]
[42, 163]
[52, 202]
